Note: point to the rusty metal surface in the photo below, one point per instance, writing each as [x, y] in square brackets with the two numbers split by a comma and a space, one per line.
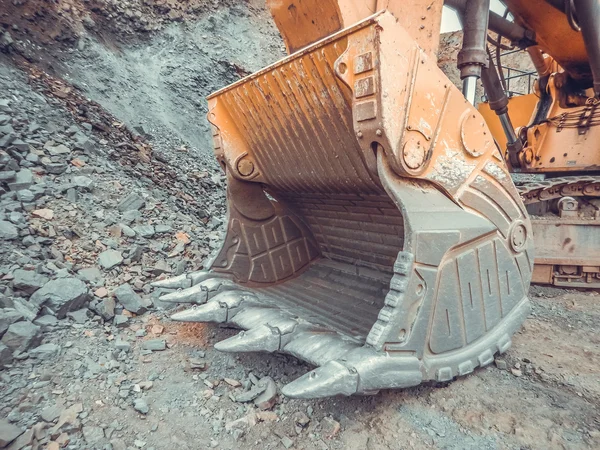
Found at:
[304, 22]
[374, 229]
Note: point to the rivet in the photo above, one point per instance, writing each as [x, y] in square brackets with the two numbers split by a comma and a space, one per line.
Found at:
[359, 134]
[378, 132]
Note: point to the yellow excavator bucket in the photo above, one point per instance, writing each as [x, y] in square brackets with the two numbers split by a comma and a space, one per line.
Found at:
[374, 230]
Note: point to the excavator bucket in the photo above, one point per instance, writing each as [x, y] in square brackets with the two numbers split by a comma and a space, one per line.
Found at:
[373, 228]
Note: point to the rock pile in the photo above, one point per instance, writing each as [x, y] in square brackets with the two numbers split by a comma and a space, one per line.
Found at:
[81, 235]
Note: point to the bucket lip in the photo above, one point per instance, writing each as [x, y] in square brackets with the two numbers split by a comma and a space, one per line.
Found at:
[310, 48]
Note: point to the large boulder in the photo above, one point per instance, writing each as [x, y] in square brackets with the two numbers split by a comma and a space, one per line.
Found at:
[28, 281]
[8, 316]
[6, 356]
[130, 300]
[8, 433]
[8, 231]
[61, 296]
[21, 336]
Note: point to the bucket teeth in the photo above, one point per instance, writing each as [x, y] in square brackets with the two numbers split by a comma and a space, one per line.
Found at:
[331, 379]
[221, 308]
[197, 294]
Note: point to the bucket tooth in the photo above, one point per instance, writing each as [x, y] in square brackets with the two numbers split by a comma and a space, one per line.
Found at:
[209, 312]
[263, 338]
[268, 337]
[317, 347]
[360, 371]
[220, 309]
[178, 282]
[182, 281]
[249, 317]
[201, 292]
[197, 294]
[333, 378]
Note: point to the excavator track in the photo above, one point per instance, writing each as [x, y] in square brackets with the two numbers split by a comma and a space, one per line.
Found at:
[565, 216]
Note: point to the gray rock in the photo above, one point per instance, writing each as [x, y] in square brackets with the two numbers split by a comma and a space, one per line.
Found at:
[55, 168]
[25, 195]
[162, 229]
[127, 231]
[32, 157]
[23, 180]
[45, 351]
[141, 406]
[58, 150]
[6, 356]
[156, 345]
[122, 345]
[146, 231]
[266, 400]
[28, 281]
[8, 316]
[22, 336]
[501, 364]
[110, 258]
[25, 308]
[91, 275]
[46, 322]
[251, 394]
[130, 300]
[131, 202]
[120, 321]
[94, 436]
[51, 413]
[130, 216]
[61, 296]
[72, 195]
[20, 145]
[5, 141]
[83, 182]
[105, 308]
[8, 175]
[8, 231]
[287, 442]
[79, 316]
[8, 433]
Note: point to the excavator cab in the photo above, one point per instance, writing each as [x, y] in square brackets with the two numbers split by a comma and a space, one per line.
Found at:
[373, 227]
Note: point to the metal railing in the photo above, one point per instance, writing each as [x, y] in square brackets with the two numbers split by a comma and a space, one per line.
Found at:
[512, 74]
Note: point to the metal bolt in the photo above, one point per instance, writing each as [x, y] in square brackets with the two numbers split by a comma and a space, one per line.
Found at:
[359, 134]
[379, 132]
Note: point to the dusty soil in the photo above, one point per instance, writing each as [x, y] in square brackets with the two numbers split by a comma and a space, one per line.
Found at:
[138, 79]
[548, 397]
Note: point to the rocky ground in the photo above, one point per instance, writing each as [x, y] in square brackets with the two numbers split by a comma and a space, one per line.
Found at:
[107, 182]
